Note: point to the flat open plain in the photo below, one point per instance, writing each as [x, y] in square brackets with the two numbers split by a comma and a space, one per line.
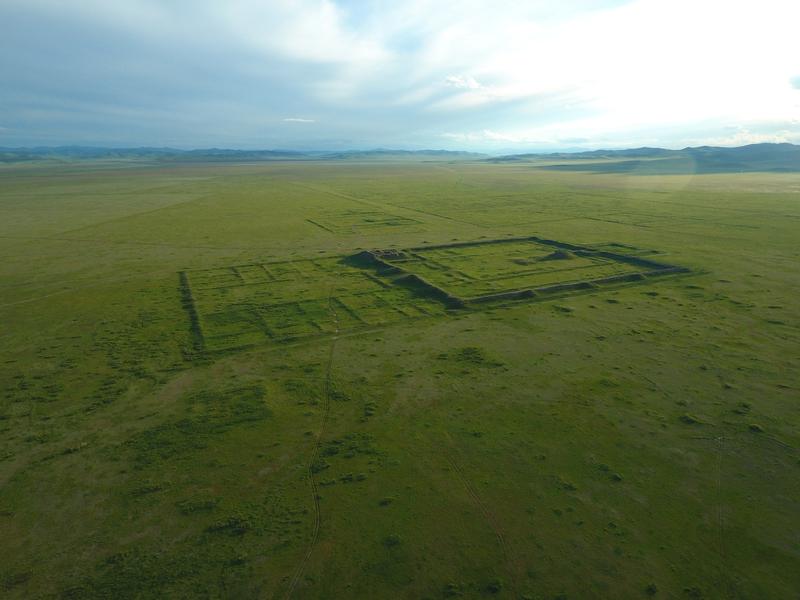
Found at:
[397, 380]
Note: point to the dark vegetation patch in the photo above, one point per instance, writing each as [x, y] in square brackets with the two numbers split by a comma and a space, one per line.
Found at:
[470, 355]
[370, 408]
[197, 563]
[192, 506]
[134, 573]
[234, 525]
[351, 445]
[14, 580]
[392, 540]
[211, 414]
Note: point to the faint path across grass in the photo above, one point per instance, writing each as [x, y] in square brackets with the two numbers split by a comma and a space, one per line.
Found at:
[58, 238]
[326, 399]
[484, 509]
[37, 298]
[383, 205]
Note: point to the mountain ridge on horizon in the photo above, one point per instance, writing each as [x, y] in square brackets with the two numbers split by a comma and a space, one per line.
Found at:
[763, 157]
[770, 156]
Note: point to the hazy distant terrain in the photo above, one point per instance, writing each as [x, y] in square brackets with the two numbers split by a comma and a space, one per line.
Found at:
[651, 161]
[416, 376]
[66, 153]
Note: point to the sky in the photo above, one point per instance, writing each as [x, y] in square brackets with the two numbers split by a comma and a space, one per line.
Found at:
[491, 76]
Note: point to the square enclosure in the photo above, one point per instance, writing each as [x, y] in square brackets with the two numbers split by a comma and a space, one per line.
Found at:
[476, 270]
[241, 305]
[255, 303]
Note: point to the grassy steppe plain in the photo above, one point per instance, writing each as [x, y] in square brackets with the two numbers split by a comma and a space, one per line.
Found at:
[635, 442]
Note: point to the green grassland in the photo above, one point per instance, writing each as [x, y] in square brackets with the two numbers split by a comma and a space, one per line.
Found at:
[205, 393]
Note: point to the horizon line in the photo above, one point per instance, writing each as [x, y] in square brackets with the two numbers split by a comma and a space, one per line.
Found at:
[351, 150]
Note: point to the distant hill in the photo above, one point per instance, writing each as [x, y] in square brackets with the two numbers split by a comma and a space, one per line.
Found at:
[590, 154]
[394, 154]
[66, 153]
[703, 159]
[69, 153]
[782, 157]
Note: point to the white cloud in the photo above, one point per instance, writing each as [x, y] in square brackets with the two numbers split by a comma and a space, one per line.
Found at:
[499, 71]
[488, 136]
[566, 135]
[312, 31]
[462, 82]
[744, 136]
[644, 65]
